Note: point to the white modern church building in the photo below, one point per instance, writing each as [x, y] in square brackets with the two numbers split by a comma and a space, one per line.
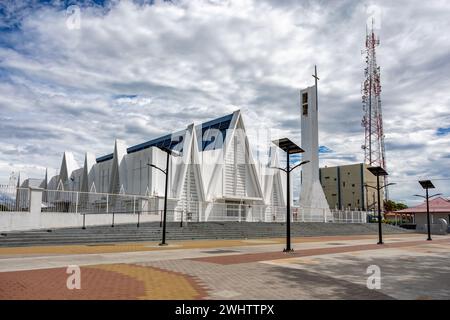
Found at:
[212, 175]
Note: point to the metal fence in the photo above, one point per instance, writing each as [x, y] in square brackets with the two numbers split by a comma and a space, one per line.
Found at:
[14, 199]
[349, 216]
[210, 211]
[92, 203]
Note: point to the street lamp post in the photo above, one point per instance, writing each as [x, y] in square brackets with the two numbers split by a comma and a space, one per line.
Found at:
[290, 148]
[169, 152]
[377, 188]
[379, 171]
[427, 184]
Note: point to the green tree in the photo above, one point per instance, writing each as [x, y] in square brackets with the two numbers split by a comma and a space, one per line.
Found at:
[390, 205]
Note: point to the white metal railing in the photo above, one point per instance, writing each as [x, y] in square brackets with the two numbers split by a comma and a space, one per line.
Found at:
[14, 199]
[306, 214]
[92, 203]
[18, 199]
[349, 216]
[213, 211]
[183, 210]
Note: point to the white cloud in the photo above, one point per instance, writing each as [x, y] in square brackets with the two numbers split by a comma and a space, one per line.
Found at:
[136, 71]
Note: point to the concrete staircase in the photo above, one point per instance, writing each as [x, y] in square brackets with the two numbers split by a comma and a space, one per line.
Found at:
[194, 231]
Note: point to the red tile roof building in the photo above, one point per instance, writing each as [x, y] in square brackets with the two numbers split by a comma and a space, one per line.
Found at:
[439, 211]
[437, 205]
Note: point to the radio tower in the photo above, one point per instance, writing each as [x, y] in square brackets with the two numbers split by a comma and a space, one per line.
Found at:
[374, 152]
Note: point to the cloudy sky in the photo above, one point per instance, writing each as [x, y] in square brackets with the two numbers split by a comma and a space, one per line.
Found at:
[76, 75]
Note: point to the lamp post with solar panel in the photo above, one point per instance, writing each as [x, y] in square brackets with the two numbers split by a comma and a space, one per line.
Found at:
[169, 153]
[379, 172]
[290, 148]
[427, 184]
[376, 188]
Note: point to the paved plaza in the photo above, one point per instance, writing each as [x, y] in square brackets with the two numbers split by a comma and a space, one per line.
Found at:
[332, 267]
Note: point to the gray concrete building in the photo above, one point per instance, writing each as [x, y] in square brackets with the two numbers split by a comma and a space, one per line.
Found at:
[349, 187]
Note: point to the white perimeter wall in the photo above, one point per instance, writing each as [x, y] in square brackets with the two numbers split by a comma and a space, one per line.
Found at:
[20, 221]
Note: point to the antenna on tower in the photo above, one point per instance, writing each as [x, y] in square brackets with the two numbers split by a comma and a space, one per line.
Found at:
[372, 121]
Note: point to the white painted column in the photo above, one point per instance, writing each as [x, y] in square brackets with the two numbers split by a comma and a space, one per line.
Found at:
[35, 200]
[76, 203]
[33, 219]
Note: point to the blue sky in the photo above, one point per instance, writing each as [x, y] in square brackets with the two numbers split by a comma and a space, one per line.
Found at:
[136, 70]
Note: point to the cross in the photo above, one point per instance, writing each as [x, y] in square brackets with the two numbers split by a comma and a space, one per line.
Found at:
[316, 78]
[315, 74]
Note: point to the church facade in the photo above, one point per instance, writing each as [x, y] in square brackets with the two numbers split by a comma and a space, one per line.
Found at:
[212, 174]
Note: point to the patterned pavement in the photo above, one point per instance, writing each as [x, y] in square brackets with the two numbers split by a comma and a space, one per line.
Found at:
[320, 268]
[255, 257]
[260, 282]
[153, 246]
[100, 282]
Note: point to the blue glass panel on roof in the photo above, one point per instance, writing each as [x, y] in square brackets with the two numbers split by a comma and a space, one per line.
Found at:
[218, 120]
[224, 125]
[104, 158]
[210, 138]
[170, 141]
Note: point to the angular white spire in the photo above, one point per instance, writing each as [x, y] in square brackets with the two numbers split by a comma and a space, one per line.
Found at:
[236, 164]
[120, 150]
[273, 183]
[68, 165]
[89, 162]
[45, 186]
[189, 161]
[18, 181]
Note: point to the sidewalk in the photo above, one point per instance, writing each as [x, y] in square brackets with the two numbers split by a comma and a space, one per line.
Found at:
[320, 268]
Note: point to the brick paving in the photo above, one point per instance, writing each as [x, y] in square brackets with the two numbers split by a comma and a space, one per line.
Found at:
[421, 272]
[159, 284]
[255, 257]
[51, 284]
[153, 246]
[258, 281]
[326, 268]
[100, 282]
